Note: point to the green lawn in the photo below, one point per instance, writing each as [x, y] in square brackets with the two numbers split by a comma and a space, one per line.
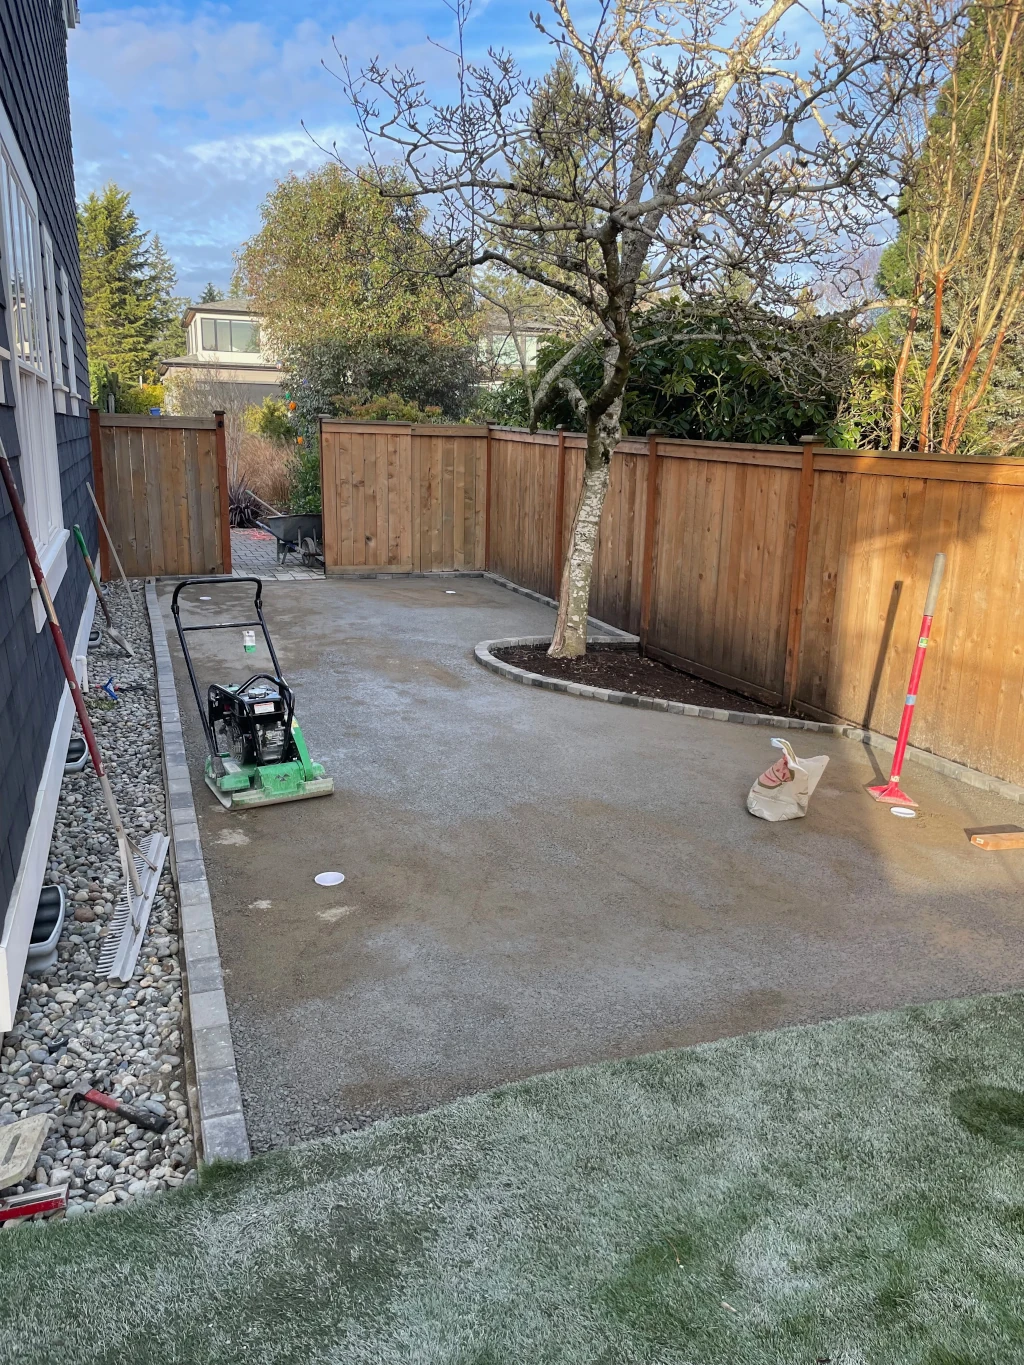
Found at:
[851, 1191]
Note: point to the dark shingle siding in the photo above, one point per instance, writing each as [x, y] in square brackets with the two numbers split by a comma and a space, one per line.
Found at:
[33, 87]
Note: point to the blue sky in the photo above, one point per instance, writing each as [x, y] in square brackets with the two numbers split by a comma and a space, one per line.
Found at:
[196, 107]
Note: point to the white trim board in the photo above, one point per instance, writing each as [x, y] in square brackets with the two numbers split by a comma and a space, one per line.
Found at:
[21, 910]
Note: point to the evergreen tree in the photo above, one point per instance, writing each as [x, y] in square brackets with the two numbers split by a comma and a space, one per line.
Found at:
[128, 280]
[170, 307]
[211, 294]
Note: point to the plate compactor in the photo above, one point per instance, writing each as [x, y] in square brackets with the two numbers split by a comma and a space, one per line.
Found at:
[258, 756]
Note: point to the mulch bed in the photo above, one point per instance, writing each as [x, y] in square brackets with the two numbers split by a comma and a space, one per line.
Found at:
[623, 670]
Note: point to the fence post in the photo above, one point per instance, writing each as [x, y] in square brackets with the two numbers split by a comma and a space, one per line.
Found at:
[799, 581]
[647, 568]
[487, 502]
[96, 442]
[222, 482]
[559, 512]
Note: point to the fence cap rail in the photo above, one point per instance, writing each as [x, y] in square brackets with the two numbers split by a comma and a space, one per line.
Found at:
[828, 458]
[416, 428]
[168, 423]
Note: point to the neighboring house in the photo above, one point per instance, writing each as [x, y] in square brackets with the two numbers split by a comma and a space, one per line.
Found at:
[498, 348]
[223, 349]
[44, 425]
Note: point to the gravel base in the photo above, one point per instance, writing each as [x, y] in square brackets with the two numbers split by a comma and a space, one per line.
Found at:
[72, 1024]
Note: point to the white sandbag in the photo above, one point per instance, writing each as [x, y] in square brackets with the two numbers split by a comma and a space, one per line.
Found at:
[783, 790]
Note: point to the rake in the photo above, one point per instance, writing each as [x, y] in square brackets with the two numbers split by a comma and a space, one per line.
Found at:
[141, 863]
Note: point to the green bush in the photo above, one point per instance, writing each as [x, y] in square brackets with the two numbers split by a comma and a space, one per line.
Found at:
[388, 408]
[270, 419]
[745, 376]
[138, 397]
[304, 492]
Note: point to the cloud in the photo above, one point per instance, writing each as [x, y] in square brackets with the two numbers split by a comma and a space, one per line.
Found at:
[198, 113]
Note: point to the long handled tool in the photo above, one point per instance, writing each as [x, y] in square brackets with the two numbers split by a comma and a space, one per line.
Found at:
[141, 863]
[110, 542]
[890, 792]
[112, 630]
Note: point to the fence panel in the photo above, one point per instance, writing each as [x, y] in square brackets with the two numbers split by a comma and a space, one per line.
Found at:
[399, 498]
[162, 486]
[524, 486]
[876, 528]
[723, 562]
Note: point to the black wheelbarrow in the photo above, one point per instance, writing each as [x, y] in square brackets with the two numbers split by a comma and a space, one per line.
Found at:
[302, 534]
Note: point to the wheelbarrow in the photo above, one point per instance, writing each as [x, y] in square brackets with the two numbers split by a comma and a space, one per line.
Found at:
[302, 534]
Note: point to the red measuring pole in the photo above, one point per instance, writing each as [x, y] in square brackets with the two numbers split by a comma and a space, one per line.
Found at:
[890, 791]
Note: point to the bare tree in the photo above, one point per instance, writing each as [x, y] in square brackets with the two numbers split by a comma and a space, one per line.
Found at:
[191, 394]
[698, 144]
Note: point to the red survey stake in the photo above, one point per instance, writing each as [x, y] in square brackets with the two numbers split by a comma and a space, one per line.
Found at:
[890, 791]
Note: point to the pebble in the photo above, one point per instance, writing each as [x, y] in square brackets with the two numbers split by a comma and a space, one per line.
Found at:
[74, 1026]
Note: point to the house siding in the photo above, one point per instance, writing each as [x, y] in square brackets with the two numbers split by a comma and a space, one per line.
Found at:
[34, 90]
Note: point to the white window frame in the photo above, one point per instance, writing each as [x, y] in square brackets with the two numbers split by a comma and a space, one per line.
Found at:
[60, 389]
[21, 249]
[69, 341]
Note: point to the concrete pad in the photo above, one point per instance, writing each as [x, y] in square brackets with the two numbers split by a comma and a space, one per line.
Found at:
[534, 880]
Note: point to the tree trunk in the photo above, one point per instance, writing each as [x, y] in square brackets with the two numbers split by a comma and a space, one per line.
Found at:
[924, 436]
[570, 638]
[901, 367]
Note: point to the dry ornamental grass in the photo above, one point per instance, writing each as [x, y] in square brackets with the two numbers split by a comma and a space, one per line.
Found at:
[264, 464]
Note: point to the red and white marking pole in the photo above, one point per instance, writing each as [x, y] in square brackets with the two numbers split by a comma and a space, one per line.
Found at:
[890, 791]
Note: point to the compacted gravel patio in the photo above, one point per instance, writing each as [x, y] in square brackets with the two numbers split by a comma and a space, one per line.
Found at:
[535, 881]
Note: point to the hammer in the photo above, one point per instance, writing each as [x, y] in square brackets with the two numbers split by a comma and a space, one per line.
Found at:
[142, 1117]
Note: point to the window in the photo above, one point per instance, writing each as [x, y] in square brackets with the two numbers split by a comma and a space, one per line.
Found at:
[52, 326]
[69, 342]
[23, 268]
[225, 334]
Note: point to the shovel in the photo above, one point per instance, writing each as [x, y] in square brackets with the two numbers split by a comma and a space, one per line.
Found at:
[112, 630]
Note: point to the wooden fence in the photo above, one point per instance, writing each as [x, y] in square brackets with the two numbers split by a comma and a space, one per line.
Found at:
[402, 497]
[162, 486]
[793, 575]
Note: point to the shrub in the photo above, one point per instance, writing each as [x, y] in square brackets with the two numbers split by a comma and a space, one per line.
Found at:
[270, 419]
[304, 494]
[389, 408]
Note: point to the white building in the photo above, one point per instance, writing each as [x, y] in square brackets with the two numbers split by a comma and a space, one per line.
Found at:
[223, 348]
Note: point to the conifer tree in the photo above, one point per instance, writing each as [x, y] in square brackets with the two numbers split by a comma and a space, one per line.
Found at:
[128, 286]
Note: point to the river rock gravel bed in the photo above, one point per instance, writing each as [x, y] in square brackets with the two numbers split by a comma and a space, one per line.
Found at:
[72, 1024]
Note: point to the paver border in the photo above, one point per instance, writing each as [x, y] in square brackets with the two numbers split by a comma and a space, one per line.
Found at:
[957, 771]
[222, 1131]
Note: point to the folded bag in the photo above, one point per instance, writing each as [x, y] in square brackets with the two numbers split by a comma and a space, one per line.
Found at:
[783, 790]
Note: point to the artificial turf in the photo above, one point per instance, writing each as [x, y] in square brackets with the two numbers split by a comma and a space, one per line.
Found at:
[852, 1191]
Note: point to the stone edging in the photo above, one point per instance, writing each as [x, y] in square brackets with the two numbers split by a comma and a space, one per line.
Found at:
[220, 1125]
[957, 771]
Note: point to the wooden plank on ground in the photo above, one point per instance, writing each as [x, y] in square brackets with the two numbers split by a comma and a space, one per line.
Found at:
[995, 843]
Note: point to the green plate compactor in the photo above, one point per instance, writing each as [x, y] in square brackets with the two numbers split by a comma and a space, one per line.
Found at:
[258, 756]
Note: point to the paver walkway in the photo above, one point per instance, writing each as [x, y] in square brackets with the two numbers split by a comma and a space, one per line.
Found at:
[255, 552]
[535, 881]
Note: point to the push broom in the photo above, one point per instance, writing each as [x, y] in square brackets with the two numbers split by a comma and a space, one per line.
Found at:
[140, 863]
